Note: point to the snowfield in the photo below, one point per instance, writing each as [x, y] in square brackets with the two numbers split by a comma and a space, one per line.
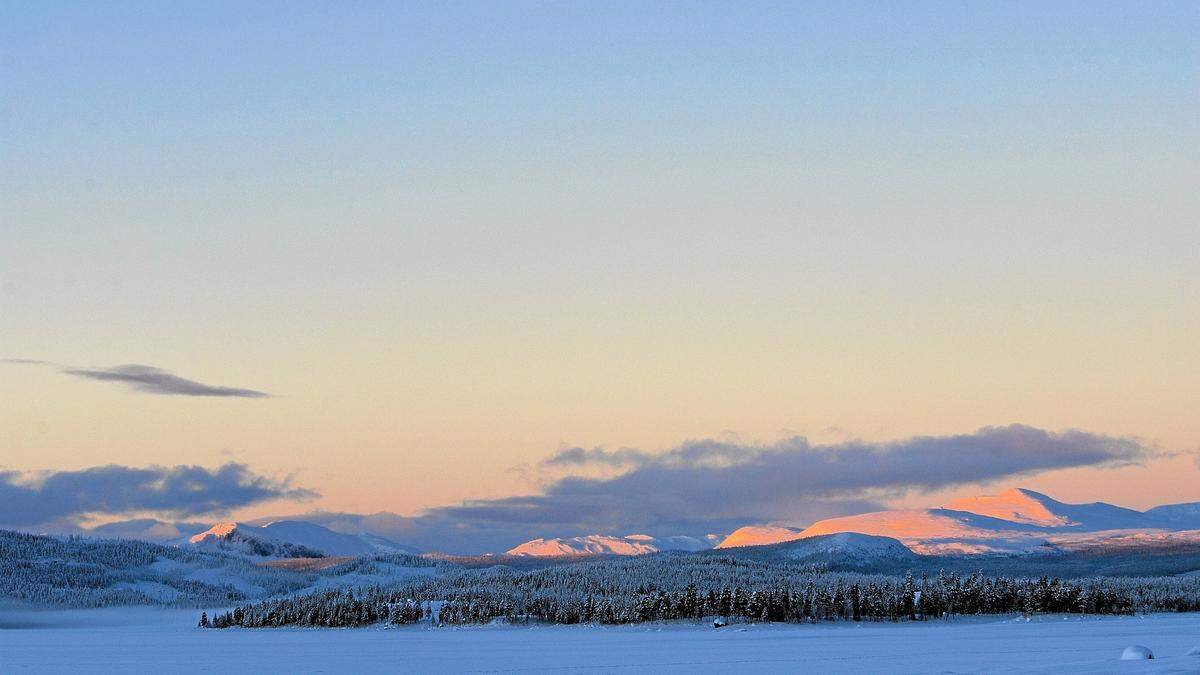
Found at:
[164, 640]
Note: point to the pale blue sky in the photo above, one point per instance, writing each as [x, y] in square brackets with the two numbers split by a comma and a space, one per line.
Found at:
[452, 236]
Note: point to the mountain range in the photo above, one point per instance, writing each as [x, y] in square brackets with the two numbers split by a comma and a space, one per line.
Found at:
[289, 539]
[1014, 521]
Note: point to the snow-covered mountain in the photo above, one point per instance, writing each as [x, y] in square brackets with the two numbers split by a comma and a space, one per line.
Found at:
[848, 544]
[1177, 516]
[92, 572]
[600, 544]
[1017, 520]
[758, 535]
[290, 539]
[332, 543]
[247, 540]
[1033, 508]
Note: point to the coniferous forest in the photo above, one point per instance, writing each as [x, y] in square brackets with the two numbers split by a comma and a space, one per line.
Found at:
[674, 587]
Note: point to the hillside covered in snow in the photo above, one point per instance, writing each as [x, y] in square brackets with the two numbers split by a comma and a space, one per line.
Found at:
[289, 539]
[84, 572]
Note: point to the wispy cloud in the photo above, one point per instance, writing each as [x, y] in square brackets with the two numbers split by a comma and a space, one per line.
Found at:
[156, 381]
[31, 498]
[714, 486]
[148, 379]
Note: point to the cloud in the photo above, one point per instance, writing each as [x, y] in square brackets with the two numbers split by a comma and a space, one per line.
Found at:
[579, 457]
[714, 486]
[28, 498]
[147, 379]
[29, 362]
[151, 380]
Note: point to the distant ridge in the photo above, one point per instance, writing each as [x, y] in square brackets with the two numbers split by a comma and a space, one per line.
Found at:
[291, 539]
[1014, 521]
[599, 544]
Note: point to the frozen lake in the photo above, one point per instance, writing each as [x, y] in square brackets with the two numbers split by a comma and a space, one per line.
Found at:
[164, 640]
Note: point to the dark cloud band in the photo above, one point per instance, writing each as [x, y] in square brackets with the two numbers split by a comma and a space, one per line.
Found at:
[178, 491]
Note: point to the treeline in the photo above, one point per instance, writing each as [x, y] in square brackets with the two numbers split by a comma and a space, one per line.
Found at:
[673, 587]
[82, 572]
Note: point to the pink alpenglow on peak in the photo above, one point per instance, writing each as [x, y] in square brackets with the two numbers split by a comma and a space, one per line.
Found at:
[758, 535]
[216, 531]
[1014, 521]
[593, 544]
[1018, 505]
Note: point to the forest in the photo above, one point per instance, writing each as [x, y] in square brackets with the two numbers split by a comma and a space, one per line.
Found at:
[691, 587]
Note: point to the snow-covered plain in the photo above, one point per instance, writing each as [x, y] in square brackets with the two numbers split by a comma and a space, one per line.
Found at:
[164, 640]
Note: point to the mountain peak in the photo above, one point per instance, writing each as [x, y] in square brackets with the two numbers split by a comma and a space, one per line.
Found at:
[1026, 493]
[1019, 505]
[219, 530]
[592, 544]
[758, 535]
[602, 544]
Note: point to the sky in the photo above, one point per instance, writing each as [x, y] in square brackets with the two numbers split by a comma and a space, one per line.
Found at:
[364, 257]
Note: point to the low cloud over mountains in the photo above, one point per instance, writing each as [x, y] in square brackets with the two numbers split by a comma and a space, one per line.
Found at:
[696, 489]
[63, 498]
[710, 486]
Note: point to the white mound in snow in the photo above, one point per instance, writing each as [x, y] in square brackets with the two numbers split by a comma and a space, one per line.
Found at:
[1137, 653]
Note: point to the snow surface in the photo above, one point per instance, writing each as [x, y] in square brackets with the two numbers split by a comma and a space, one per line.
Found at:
[161, 640]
